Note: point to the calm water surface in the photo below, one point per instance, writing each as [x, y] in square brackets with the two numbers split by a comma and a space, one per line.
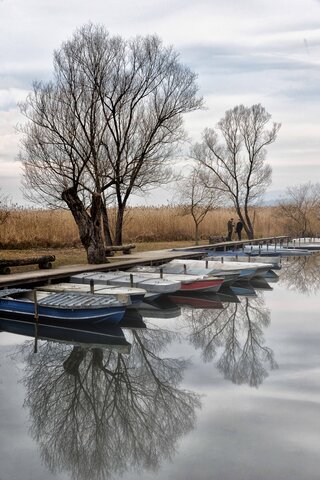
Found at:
[228, 389]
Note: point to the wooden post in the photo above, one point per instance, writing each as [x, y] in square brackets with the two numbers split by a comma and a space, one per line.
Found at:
[36, 319]
[207, 264]
[161, 272]
[91, 286]
[131, 280]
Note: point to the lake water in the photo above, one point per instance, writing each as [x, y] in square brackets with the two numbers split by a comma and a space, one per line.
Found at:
[227, 388]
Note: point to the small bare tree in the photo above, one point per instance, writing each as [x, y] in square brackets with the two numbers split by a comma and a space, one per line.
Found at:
[105, 127]
[196, 198]
[301, 209]
[234, 154]
[4, 208]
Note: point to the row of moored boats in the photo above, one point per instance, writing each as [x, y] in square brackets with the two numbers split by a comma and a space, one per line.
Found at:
[97, 297]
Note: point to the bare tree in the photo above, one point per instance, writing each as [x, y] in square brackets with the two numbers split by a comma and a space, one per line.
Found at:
[5, 208]
[300, 208]
[106, 126]
[196, 198]
[234, 154]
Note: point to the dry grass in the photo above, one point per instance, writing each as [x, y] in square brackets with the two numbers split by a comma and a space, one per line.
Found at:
[56, 229]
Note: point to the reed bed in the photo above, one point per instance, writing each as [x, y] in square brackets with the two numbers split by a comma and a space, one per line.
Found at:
[25, 228]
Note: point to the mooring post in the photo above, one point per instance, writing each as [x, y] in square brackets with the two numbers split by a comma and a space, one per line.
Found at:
[91, 286]
[131, 280]
[207, 264]
[36, 320]
[161, 272]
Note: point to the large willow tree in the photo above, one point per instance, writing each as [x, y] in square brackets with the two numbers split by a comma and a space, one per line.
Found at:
[105, 127]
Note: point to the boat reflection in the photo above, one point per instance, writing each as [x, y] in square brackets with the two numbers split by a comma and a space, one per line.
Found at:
[86, 336]
[96, 412]
[302, 274]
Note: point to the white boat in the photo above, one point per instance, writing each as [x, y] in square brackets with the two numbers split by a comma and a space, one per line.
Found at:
[275, 261]
[261, 267]
[125, 295]
[189, 282]
[184, 269]
[152, 285]
[218, 268]
[273, 250]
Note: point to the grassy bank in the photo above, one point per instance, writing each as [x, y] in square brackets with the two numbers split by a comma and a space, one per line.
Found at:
[77, 255]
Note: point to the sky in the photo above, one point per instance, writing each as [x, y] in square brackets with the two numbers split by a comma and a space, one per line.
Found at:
[243, 51]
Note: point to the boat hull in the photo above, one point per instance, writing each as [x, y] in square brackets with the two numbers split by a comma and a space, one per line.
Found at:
[205, 285]
[12, 309]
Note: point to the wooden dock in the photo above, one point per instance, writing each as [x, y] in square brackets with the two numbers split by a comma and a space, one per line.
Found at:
[154, 257]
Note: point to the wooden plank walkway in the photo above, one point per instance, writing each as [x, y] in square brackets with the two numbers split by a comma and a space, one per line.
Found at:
[38, 277]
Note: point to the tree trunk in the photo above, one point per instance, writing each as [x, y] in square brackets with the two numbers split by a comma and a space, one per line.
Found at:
[106, 227]
[246, 222]
[89, 226]
[196, 234]
[119, 224]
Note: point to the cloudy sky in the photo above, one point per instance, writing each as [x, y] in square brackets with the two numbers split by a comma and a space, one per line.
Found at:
[244, 51]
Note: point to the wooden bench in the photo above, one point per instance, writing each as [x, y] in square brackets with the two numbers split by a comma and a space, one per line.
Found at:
[43, 262]
[125, 249]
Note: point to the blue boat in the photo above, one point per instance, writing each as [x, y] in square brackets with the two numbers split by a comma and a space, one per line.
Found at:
[57, 307]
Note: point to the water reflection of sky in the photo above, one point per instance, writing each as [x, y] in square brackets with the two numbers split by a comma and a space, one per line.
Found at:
[227, 393]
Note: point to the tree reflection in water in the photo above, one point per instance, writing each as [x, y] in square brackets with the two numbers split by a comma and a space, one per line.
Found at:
[235, 333]
[302, 274]
[96, 412]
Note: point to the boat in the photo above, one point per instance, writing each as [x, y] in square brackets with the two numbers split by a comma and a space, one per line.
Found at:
[218, 268]
[185, 269]
[155, 285]
[87, 336]
[125, 295]
[262, 268]
[190, 283]
[245, 258]
[273, 250]
[61, 306]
